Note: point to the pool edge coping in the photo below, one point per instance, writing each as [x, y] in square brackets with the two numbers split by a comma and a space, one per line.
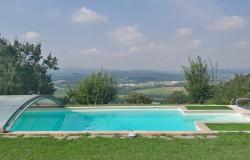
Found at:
[68, 133]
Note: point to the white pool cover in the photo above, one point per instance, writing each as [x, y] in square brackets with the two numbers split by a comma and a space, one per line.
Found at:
[11, 106]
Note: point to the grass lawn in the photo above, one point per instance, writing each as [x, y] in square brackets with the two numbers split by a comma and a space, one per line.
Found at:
[159, 91]
[229, 127]
[120, 105]
[227, 146]
[207, 107]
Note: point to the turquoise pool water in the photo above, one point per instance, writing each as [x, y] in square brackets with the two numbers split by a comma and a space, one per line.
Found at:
[116, 120]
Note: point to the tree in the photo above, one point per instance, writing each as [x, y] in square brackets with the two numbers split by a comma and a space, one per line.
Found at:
[199, 80]
[238, 87]
[98, 88]
[23, 70]
[177, 97]
[138, 98]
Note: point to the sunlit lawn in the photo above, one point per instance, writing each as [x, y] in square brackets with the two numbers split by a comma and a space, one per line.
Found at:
[226, 146]
[229, 127]
[207, 107]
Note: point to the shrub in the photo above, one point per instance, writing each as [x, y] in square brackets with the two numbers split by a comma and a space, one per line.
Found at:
[199, 79]
[177, 97]
[98, 88]
[238, 87]
[138, 98]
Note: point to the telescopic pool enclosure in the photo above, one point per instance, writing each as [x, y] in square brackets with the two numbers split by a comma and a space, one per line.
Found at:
[12, 106]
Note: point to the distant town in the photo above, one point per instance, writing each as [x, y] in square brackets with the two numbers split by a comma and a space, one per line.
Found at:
[153, 84]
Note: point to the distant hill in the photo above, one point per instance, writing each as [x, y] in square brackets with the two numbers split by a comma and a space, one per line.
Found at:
[136, 76]
[233, 71]
[142, 76]
[71, 76]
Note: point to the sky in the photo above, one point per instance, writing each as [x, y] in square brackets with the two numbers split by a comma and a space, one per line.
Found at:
[132, 35]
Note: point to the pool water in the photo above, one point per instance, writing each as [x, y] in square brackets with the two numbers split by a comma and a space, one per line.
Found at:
[116, 120]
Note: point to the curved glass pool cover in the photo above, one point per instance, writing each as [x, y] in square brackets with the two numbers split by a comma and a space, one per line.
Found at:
[12, 106]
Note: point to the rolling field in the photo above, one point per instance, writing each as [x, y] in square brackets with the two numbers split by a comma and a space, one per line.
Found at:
[159, 91]
[153, 92]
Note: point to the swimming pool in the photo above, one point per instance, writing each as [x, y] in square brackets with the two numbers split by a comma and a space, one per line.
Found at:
[117, 120]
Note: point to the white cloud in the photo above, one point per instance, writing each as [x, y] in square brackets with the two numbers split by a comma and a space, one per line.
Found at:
[85, 15]
[229, 23]
[196, 44]
[143, 48]
[184, 32]
[91, 51]
[127, 35]
[32, 36]
[241, 45]
[134, 49]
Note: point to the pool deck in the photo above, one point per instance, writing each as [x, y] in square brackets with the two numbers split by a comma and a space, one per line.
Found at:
[202, 128]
